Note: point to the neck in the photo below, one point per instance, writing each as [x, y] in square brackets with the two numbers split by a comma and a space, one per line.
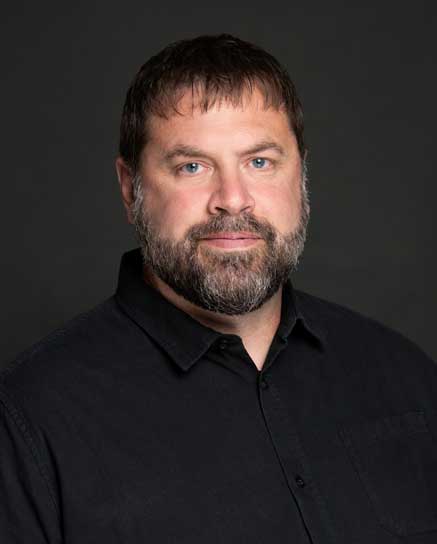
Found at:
[256, 328]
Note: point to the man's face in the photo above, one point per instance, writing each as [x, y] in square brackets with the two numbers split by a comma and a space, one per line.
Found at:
[218, 210]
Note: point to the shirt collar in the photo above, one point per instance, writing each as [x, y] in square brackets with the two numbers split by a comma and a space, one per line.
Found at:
[308, 315]
[182, 337]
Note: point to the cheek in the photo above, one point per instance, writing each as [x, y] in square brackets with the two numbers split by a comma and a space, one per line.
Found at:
[280, 206]
[175, 212]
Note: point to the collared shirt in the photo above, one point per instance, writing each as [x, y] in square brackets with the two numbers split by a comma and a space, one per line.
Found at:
[135, 424]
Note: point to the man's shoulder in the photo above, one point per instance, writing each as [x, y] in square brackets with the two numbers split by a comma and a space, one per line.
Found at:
[84, 340]
[330, 313]
[351, 332]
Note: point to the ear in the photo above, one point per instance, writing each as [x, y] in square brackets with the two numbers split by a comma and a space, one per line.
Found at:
[125, 178]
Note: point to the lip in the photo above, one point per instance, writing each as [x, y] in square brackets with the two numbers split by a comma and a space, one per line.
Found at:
[232, 236]
[231, 240]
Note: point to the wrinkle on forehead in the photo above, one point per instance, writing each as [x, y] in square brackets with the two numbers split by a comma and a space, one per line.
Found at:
[224, 126]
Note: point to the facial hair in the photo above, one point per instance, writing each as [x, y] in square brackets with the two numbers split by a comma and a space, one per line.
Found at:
[227, 282]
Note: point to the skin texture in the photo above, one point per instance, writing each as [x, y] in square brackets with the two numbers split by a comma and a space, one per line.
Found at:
[225, 143]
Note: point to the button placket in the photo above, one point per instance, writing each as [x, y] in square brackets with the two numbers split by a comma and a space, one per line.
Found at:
[263, 383]
[300, 482]
[295, 466]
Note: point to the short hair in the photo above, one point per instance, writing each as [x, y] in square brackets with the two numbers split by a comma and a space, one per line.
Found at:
[214, 68]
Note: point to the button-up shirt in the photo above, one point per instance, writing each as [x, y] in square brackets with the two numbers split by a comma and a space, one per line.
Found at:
[134, 423]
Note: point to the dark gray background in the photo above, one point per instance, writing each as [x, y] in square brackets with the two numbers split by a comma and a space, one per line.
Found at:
[366, 75]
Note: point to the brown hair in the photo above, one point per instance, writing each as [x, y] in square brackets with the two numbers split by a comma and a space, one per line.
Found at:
[214, 68]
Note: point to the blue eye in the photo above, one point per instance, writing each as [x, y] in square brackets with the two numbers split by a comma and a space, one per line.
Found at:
[259, 162]
[191, 168]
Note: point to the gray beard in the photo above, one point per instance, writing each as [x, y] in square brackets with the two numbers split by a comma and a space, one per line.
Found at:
[227, 282]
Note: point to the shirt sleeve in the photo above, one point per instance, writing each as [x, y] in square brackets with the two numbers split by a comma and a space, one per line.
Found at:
[28, 510]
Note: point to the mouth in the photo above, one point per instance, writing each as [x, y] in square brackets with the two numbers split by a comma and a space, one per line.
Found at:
[231, 240]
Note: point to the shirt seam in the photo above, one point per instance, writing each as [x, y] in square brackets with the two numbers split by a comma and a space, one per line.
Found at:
[21, 425]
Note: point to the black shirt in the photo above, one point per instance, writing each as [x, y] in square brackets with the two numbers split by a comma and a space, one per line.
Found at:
[136, 424]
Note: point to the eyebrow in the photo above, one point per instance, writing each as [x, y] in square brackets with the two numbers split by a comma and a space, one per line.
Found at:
[182, 150]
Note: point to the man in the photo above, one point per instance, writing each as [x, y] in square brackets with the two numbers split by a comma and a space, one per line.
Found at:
[207, 400]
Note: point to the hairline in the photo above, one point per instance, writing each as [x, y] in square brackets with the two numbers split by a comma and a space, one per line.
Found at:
[237, 100]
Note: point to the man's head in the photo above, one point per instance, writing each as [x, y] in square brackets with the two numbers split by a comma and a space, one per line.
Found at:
[212, 172]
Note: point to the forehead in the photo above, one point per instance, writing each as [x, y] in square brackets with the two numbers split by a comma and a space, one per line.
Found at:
[223, 121]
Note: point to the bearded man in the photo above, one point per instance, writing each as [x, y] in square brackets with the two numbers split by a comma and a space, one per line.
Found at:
[208, 400]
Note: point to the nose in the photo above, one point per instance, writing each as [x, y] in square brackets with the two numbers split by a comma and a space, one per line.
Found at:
[231, 195]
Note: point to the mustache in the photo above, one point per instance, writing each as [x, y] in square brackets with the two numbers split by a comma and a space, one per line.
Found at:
[246, 222]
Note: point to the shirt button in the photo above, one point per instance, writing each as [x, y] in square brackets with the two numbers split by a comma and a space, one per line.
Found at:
[263, 383]
[299, 481]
